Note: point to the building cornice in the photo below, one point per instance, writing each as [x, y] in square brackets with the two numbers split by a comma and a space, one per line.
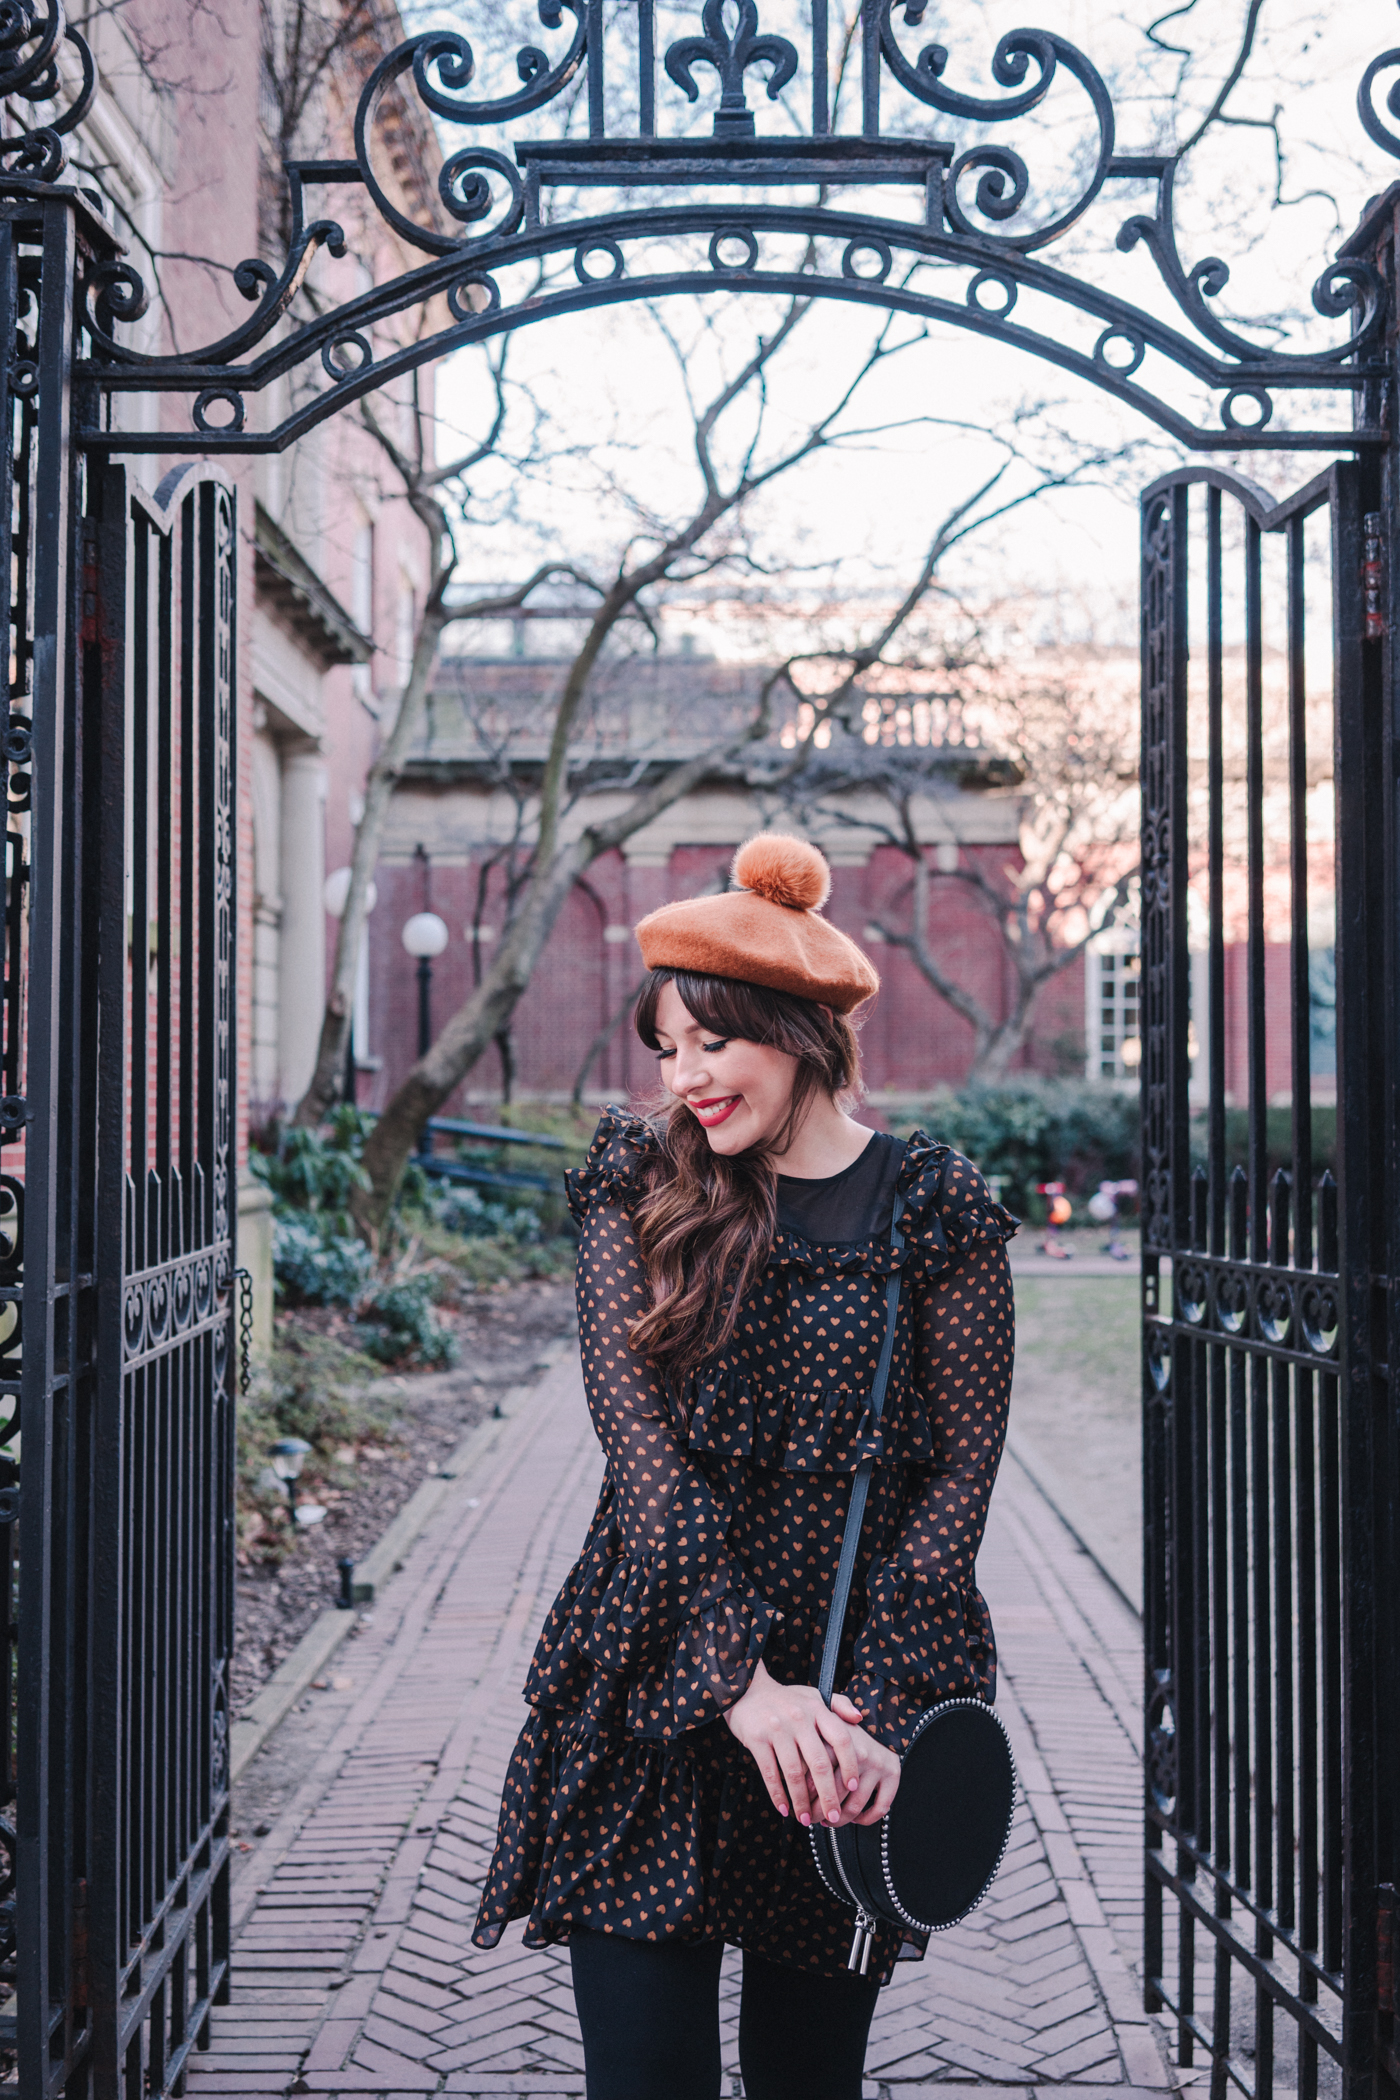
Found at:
[286, 581]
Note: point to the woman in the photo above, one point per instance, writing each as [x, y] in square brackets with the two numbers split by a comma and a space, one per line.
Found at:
[732, 1258]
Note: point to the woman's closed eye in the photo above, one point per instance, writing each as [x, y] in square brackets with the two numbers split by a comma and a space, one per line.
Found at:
[710, 1048]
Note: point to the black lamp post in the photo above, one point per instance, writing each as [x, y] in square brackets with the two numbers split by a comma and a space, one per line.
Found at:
[425, 936]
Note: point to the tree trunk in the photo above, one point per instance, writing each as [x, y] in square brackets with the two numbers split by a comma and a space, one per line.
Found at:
[318, 1100]
[463, 1039]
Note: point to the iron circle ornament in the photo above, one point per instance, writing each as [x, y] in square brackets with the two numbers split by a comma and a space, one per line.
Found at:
[24, 377]
[869, 244]
[1136, 346]
[1273, 1309]
[747, 238]
[338, 365]
[608, 248]
[1318, 1317]
[986, 280]
[1162, 1747]
[1190, 1292]
[134, 1318]
[1232, 1301]
[1263, 402]
[206, 400]
[464, 307]
[17, 744]
[1159, 1358]
[158, 1305]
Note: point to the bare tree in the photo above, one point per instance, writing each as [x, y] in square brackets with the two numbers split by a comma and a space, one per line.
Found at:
[696, 546]
[1063, 724]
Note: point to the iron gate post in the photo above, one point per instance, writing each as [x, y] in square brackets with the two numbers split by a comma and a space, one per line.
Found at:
[40, 261]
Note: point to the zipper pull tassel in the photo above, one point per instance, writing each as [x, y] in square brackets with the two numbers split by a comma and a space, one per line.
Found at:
[859, 1962]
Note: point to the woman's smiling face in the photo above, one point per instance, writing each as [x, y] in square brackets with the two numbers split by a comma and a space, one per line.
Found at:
[738, 1092]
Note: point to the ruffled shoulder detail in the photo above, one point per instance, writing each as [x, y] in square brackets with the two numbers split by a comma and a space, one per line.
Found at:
[948, 1208]
[615, 1170]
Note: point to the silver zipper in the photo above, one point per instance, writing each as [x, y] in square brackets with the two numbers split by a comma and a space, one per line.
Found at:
[859, 1961]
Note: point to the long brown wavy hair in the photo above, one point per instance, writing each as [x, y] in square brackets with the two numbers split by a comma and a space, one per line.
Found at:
[705, 1226]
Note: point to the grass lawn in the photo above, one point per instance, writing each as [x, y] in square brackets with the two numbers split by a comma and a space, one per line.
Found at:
[1075, 1407]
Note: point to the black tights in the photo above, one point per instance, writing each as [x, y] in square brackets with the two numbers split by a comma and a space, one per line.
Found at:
[649, 2011]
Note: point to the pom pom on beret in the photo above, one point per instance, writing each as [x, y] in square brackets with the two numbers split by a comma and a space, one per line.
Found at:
[769, 931]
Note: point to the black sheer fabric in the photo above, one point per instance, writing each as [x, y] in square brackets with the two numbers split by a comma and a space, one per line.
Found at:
[628, 1805]
[852, 1205]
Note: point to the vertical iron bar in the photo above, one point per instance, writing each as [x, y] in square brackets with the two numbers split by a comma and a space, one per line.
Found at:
[1215, 828]
[1254, 803]
[44, 1866]
[1298, 872]
[821, 82]
[646, 66]
[597, 121]
[1362, 1058]
[1330, 1652]
[870, 67]
[1285, 1618]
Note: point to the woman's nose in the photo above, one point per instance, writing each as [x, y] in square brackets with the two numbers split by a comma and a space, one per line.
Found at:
[687, 1071]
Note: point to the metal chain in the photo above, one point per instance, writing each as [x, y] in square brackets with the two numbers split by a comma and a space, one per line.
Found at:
[244, 1279]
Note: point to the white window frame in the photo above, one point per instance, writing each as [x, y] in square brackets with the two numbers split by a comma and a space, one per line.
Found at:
[1112, 988]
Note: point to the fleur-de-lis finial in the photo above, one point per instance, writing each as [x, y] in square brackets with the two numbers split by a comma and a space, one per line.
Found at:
[731, 56]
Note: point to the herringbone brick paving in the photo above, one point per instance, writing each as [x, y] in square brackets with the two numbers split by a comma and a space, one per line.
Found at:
[353, 1968]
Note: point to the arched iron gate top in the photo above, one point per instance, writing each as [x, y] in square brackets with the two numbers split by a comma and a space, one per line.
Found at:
[500, 217]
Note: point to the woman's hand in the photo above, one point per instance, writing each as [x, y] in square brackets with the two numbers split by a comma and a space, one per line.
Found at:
[818, 1758]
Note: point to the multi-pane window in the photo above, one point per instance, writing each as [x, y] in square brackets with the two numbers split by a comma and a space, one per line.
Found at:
[1112, 986]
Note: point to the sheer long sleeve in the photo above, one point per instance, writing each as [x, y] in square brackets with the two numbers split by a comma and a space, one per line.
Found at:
[657, 1604]
[926, 1634]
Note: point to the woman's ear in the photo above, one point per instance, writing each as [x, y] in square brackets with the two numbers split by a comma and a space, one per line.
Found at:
[829, 1011]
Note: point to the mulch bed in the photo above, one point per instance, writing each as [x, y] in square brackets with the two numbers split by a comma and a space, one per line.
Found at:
[502, 1335]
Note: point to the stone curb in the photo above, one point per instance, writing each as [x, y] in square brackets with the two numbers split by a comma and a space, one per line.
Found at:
[321, 1639]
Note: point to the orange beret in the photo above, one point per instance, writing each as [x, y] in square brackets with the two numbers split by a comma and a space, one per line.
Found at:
[767, 931]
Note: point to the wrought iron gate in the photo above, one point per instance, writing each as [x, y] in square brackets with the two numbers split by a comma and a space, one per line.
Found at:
[116, 1267]
[1269, 1437]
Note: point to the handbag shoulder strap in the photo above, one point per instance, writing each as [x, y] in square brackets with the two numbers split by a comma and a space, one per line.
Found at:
[860, 1486]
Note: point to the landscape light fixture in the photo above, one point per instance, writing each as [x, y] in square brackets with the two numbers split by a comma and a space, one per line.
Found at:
[289, 1454]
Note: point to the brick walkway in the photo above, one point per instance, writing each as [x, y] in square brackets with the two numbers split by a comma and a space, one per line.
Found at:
[354, 1973]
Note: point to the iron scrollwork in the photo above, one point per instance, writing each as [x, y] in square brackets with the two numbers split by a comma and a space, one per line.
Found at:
[30, 38]
[488, 216]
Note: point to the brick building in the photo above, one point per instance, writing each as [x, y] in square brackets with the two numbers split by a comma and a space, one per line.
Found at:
[467, 791]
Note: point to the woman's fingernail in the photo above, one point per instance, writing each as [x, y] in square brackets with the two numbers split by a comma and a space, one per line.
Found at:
[835, 1816]
[782, 1808]
[805, 1821]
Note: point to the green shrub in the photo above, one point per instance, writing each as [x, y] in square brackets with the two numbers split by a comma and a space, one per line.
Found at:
[462, 1210]
[317, 1170]
[1029, 1130]
[402, 1325]
[313, 1267]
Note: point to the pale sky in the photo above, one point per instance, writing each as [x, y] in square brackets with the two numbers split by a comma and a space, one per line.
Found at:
[610, 391]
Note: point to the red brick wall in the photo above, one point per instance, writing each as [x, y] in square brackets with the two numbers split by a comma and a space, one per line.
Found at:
[912, 1041]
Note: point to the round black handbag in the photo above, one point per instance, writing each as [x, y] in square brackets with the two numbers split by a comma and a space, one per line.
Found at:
[933, 1857]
